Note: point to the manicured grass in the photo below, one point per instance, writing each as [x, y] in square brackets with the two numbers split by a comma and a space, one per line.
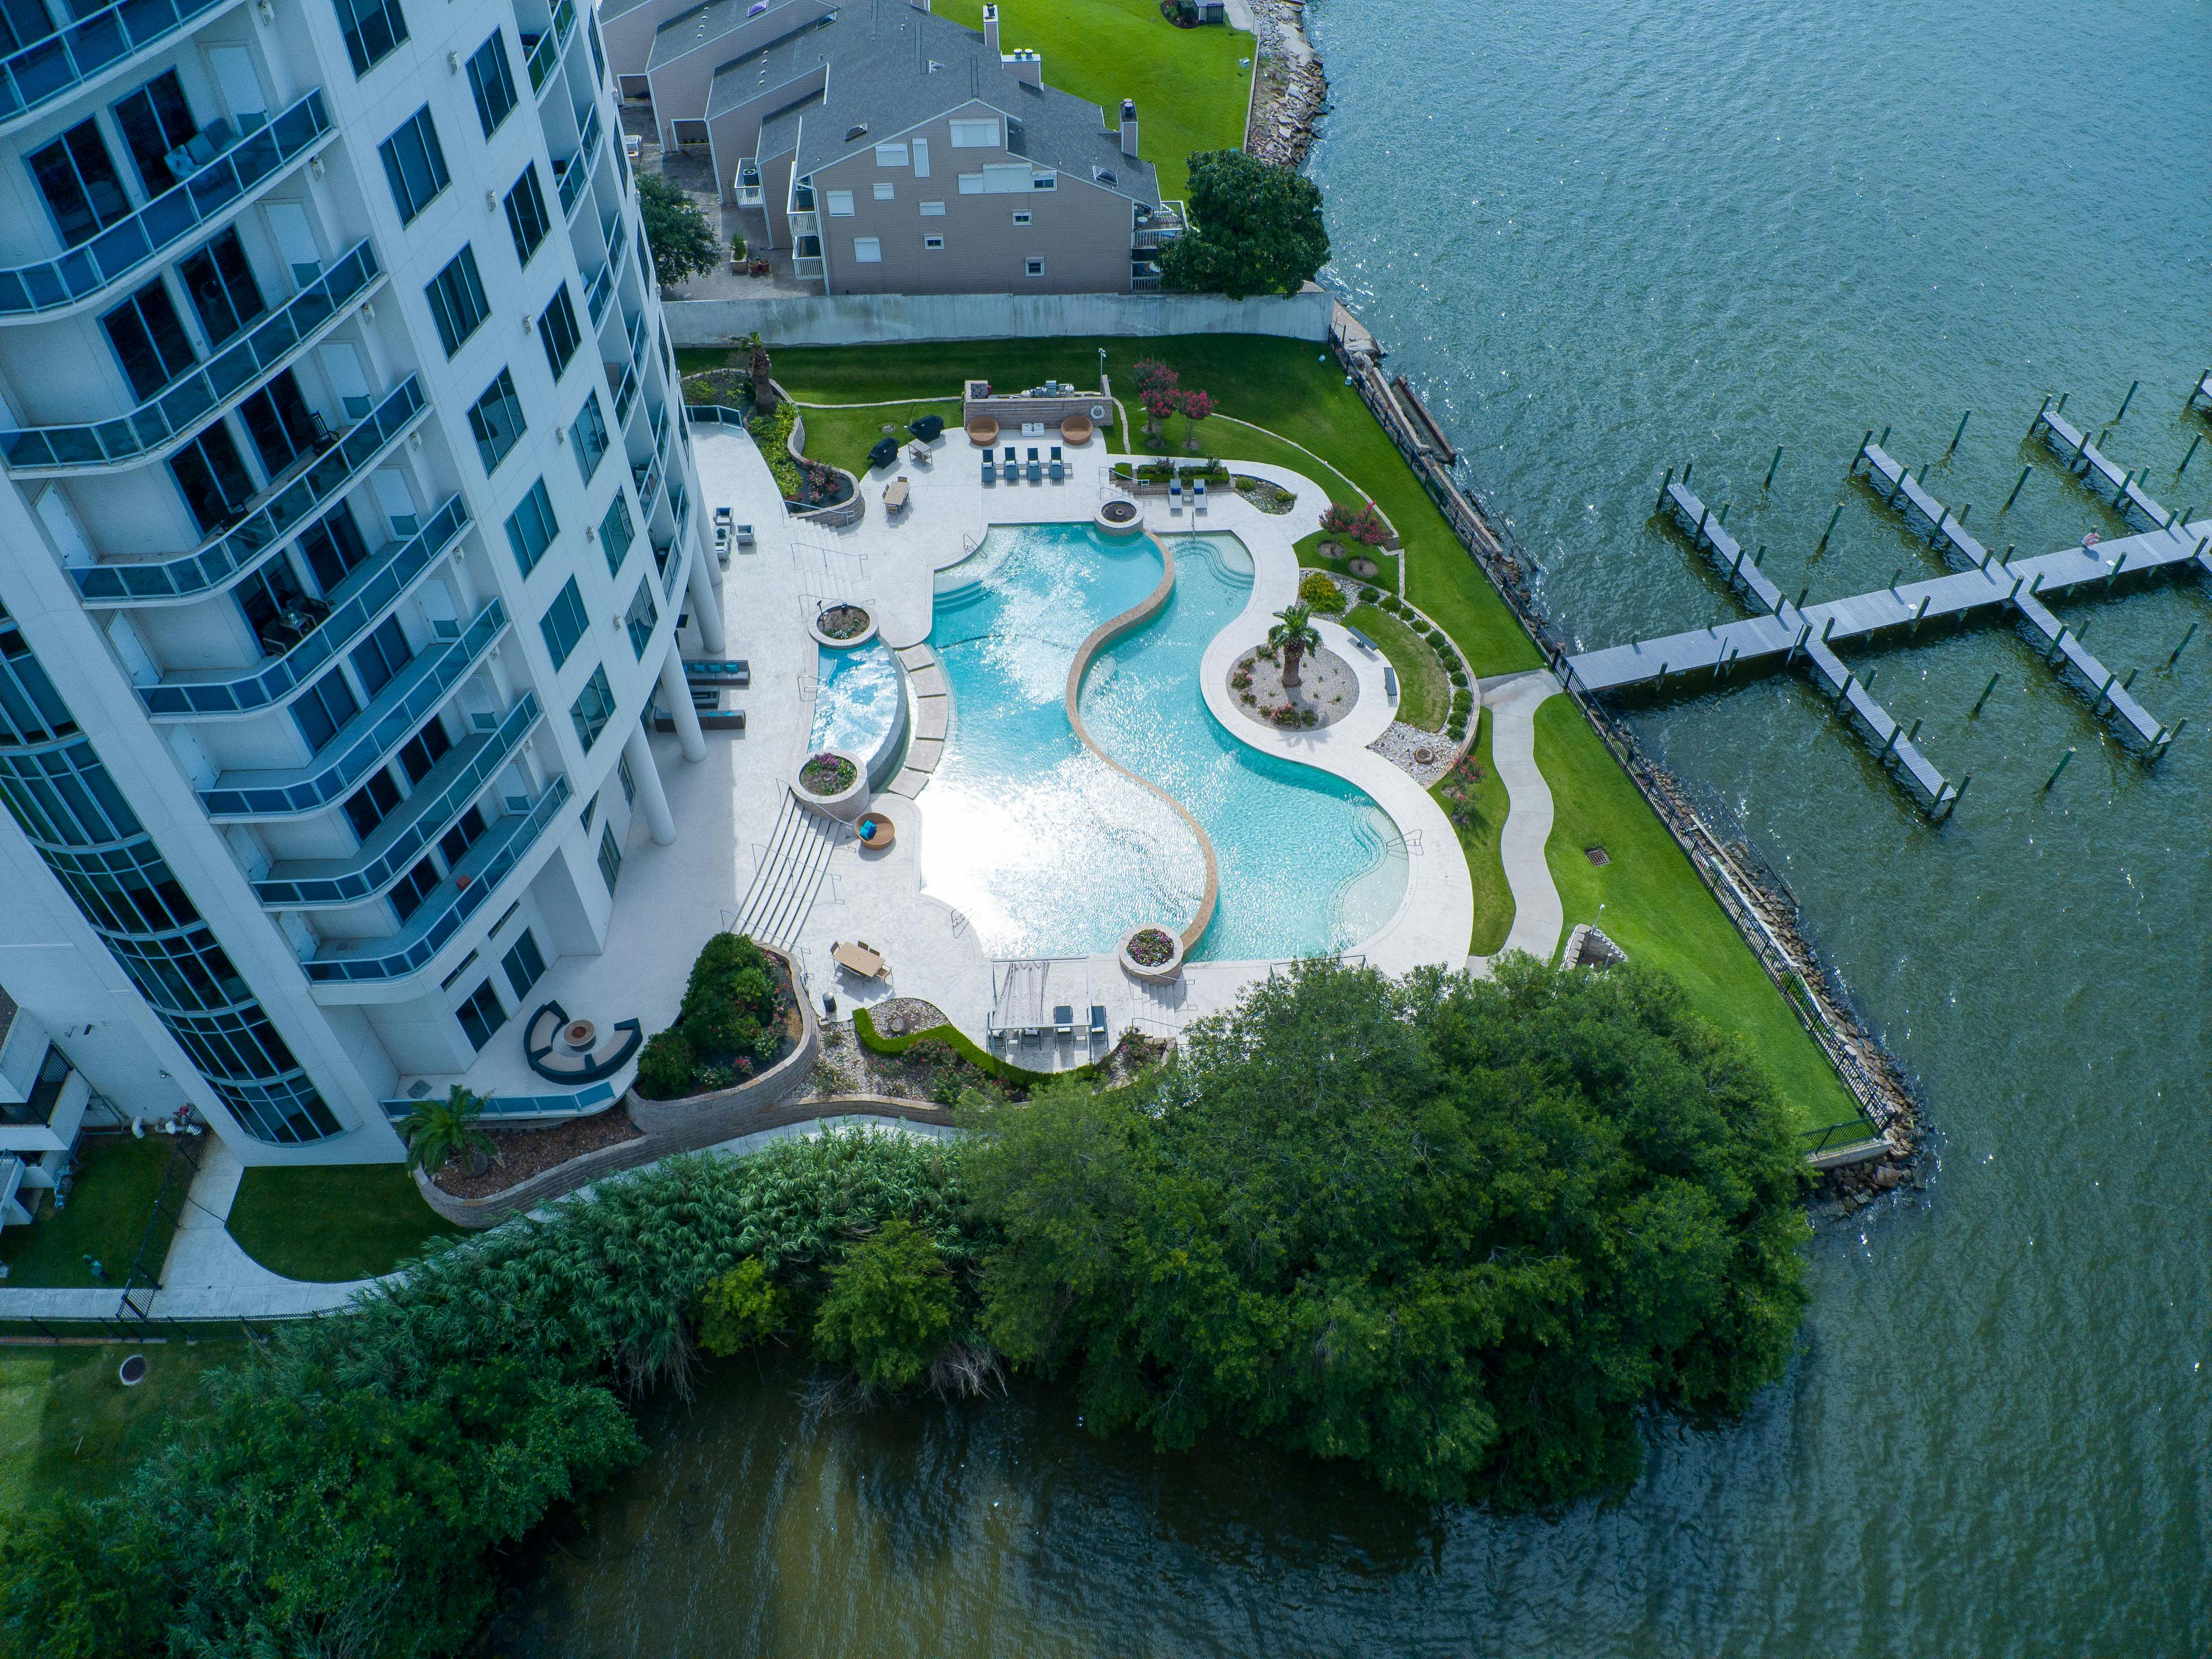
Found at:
[329, 1223]
[1482, 807]
[1386, 564]
[1424, 688]
[843, 437]
[1190, 94]
[863, 1027]
[1659, 912]
[69, 1426]
[118, 1178]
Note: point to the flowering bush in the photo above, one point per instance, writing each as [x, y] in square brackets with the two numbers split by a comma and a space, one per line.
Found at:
[826, 773]
[1364, 526]
[1150, 947]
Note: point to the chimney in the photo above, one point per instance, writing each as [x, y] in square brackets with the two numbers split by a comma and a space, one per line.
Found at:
[1028, 66]
[991, 29]
[1129, 127]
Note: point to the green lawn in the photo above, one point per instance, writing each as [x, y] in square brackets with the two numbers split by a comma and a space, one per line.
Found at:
[1482, 805]
[118, 1178]
[1424, 688]
[1190, 94]
[843, 437]
[329, 1223]
[1386, 573]
[1659, 912]
[68, 1425]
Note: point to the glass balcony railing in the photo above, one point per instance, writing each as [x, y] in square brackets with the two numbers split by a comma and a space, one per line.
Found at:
[672, 571]
[602, 288]
[545, 50]
[47, 69]
[286, 507]
[364, 597]
[625, 389]
[582, 163]
[367, 740]
[177, 412]
[169, 218]
[444, 793]
[449, 903]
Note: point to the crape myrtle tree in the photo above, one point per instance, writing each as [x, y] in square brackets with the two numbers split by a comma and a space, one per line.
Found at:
[1256, 229]
[1458, 1233]
[676, 230]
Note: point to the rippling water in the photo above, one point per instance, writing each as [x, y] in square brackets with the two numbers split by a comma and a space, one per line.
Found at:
[1604, 238]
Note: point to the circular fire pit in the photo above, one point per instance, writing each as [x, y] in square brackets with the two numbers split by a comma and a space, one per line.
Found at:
[1119, 517]
[579, 1036]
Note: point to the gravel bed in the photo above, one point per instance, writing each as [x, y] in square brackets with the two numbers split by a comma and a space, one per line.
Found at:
[1326, 686]
[1400, 742]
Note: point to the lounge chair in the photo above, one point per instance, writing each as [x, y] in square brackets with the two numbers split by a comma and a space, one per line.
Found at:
[982, 432]
[1036, 467]
[990, 470]
[1058, 467]
[884, 451]
[1175, 494]
[1097, 1022]
[1075, 430]
[1198, 495]
[1063, 1021]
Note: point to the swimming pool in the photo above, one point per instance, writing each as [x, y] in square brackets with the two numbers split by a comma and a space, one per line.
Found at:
[1047, 851]
[860, 707]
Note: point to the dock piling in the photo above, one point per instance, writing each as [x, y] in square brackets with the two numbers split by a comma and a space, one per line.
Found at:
[2165, 742]
[1921, 613]
[1757, 557]
[2016, 483]
[1767, 483]
[1801, 593]
[2184, 467]
[2007, 560]
[2125, 401]
[1977, 709]
[1961, 433]
[1831, 530]
[2063, 761]
[2174, 655]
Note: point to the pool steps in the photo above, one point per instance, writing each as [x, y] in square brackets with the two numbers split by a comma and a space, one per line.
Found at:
[925, 746]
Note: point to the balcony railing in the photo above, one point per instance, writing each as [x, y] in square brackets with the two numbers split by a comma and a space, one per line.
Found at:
[672, 571]
[367, 739]
[174, 415]
[451, 903]
[378, 584]
[170, 217]
[545, 50]
[625, 389]
[582, 163]
[751, 193]
[423, 816]
[47, 69]
[287, 507]
[603, 285]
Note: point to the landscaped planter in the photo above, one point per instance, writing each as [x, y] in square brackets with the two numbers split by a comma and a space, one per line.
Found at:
[1162, 972]
[836, 641]
[846, 802]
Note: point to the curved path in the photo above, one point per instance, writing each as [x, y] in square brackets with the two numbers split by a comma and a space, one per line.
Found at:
[1538, 915]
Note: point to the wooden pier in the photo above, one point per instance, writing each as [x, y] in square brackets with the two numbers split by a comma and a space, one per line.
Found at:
[1786, 634]
[2200, 396]
[2121, 486]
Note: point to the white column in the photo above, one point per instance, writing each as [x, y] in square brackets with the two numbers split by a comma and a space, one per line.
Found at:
[637, 750]
[705, 608]
[675, 692]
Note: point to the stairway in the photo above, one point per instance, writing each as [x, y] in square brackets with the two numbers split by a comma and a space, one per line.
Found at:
[789, 875]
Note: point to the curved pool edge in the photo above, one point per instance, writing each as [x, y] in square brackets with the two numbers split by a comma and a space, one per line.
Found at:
[1112, 628]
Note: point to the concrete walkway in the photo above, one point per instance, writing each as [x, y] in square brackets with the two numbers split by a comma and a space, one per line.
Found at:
[1538, 915]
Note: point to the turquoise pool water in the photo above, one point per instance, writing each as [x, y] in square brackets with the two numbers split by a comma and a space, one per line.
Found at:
[858, 702]
[1048, 852]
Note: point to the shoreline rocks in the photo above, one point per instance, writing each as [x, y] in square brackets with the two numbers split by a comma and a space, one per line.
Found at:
[1290, 89]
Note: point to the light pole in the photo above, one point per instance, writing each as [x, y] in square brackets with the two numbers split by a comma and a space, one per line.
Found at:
[1101, 368]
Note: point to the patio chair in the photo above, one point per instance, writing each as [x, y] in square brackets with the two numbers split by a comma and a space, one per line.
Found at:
[1059, 467]
[1076, 430]
[982, 432]
[1098, 1022]
[990, 470]
[1198, 495]
[1036, 467]
[1063, 1021]
[1174, 496]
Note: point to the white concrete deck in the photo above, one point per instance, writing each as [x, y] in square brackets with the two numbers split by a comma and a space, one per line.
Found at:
[672, 898]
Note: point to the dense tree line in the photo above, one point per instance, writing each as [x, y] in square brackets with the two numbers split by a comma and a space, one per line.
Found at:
[1458, 1232]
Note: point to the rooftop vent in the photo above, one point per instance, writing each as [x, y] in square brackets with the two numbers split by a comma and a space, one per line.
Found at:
[859, 132]
[756, 8]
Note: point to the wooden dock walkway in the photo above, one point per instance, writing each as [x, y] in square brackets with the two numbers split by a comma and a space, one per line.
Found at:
[2121, 486]
[1983, 587]
[2200, 396]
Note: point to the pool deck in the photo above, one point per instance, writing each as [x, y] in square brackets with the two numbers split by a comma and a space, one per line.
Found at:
[671, 899]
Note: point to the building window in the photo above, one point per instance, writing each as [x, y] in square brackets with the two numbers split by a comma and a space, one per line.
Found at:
[526, 218]
[496, 420]
[415, 164]
[456, 299]
[222, 288]
[333, 547]
[381, 656]
[609, 858]
[454, 844]
[885, 190]
[641, 618]
[890, 156]
[530, 527]
[149, 339]
[212, 477]
[932, 210]
[588, 436]
[563, 622]
[371, 28]
[480, 1015]
[424, 750]
[616, 533]
[840, 204]
[933, 242]
[593, 709]
[370, 804]
[412, 889]
[322, 708]
[1033, 267]
[628, 780]
[155, 122]
[1023, 216]
[524, 966]
[1044, 181]
[277, 418]
[80, 184]
[867, 250]
[557, 330]
[493, 83]
[975, 135]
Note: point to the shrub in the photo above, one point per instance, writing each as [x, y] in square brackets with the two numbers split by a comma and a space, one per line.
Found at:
[1315, 588]
[740, 1308]
[731, 1020]
[1458, 675]
[1370, 595]
[1361, 525]
[664, 1069]
[890, 1309]
[772, 432]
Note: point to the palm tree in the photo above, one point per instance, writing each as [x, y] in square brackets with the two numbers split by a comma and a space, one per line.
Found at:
[438, 1131]
[1294, 632]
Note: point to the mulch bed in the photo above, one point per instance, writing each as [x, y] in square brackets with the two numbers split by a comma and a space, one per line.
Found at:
[525, 1151]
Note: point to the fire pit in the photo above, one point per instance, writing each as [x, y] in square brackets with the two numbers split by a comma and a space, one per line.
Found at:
[1119, 517]
[578, 1036]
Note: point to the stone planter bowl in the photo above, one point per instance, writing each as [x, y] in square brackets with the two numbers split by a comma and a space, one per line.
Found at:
[1165, 972]
[850, 803]
[858, 640]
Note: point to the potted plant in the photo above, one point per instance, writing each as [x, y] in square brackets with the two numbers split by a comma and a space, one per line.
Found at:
[737, 253]
[438, 1131]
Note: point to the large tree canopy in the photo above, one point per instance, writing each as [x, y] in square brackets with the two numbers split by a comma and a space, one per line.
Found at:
[1457, 1231]
[682, 241]
[1257, 229]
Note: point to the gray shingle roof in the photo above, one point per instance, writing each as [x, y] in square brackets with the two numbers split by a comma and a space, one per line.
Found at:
[698, 29]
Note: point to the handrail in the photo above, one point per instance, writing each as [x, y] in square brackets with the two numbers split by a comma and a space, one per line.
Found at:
[171, 414]
[428, 821]
[582, 163]
[175, 214]
[383, 580]
[451, 903]
[49, 67]
[215, 562]
[551, 43]
[413, 692]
